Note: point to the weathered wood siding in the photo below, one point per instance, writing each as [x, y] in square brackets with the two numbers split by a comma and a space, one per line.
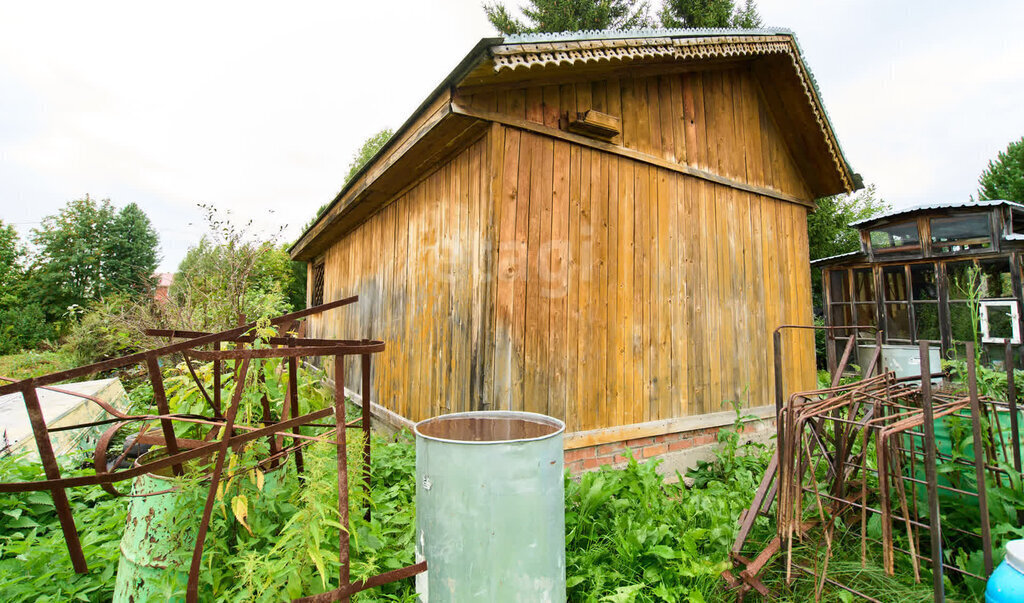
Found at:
[531, 273]
[714, 120]
[418, 268]
[627, 293]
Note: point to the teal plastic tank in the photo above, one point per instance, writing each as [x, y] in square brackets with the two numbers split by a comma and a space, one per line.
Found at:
[490, 508]
[1006, 584]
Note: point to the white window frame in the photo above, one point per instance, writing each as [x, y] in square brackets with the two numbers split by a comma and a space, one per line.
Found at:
[1014, 320]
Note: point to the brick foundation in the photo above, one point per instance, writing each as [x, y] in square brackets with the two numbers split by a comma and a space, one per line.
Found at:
[615, 453]
[588, 458]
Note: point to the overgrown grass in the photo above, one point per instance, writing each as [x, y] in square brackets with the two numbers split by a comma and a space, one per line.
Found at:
[630, 536]
[292, 549]
[34, 364]
[844, 566]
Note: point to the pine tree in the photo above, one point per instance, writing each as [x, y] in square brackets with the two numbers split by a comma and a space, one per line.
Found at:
[130, 252]
[570, 15]
[1004, 177]
[709, 13]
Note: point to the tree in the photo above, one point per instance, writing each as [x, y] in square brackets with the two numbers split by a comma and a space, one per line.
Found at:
[828, 230]
[570, 15]
[11, 256]
[829, 233]
[709, 13]
[1004, 177]
[131, 252]
[365, 153]
[88, 250]
[22, 324]
[231, 275]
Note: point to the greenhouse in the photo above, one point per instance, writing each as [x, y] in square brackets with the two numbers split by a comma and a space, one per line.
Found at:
[923, 274]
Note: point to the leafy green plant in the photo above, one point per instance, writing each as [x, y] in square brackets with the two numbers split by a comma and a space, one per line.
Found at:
[733, 460]
[101, 332]
[34, 564]
[632, 537]
[273, 536]
[825, 379]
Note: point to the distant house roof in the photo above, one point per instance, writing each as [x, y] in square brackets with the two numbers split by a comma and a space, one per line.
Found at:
[931, 207]
[164, 279]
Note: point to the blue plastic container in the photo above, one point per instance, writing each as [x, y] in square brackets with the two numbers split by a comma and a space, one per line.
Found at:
[1006, 583]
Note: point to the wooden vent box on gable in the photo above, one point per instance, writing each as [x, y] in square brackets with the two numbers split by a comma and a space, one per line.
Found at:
[595, 124]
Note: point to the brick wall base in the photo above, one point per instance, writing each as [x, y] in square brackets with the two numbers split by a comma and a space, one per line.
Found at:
[589, 458]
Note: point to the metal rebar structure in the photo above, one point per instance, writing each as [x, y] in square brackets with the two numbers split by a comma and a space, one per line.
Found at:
[227, 350]
[869, 448]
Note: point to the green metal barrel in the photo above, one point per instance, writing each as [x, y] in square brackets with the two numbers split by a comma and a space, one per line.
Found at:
[152, 548]
[490, 507]
[149, 546]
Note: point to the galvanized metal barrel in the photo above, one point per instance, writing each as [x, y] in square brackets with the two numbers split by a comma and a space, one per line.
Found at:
[490, 507]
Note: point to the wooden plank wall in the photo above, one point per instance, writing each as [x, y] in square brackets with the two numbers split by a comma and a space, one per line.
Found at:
[529, 273]
[417, 266]
[713, 119]
[628, 293]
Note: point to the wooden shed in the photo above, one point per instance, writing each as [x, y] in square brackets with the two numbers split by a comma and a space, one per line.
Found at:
[605, 227]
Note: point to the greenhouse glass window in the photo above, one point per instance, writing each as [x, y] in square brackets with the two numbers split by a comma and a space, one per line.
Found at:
[970, 232]
[996, 280]
[896, 237]
[999, 322]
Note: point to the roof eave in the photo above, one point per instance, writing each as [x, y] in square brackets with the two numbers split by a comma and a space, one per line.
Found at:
[472, 58]
[927, 207]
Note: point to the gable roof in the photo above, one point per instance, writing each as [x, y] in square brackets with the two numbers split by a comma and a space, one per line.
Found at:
[787, 84]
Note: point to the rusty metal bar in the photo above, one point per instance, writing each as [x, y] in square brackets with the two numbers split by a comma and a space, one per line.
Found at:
[232, 436]
[268, 418]
[52, 471]
[837, 377]
[365, 362]
[216, 381]
[357, 347]
[192, 590]
[106, 478]
[339, 419]
[202, 389]
[930, 471]
[358, 586]
[293, 400]
[132, 359]
[156, 378]
[979, 460]
[1011, 399]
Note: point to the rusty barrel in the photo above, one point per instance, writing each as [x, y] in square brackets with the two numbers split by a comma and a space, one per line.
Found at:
[152, 545]
[490, 507]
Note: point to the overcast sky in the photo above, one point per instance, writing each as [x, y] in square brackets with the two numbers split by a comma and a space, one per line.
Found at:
[258, 107]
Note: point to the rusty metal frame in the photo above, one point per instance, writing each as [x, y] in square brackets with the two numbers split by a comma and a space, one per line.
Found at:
[232, 435]
[815, 464]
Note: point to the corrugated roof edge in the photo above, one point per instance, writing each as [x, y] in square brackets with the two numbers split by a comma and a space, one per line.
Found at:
[832, 258]
[615, 34]
[929, 206]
